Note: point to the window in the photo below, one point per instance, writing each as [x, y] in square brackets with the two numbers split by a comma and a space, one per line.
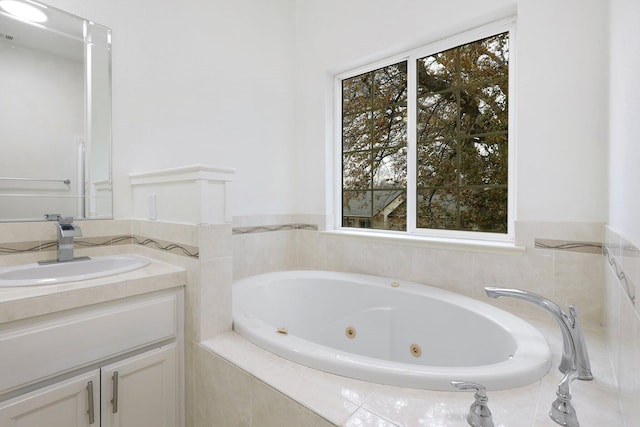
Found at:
[450, 169]
[374, 148]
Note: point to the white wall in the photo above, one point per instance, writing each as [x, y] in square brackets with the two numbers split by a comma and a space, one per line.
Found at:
[624, 99]
[247, 85]
[561, 89]
[202, 82]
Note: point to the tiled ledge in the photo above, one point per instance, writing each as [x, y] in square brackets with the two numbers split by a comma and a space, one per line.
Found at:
[349, 402]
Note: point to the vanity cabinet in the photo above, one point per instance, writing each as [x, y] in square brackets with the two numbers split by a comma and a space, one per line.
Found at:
[113, 365]
[139, 391]
[63, 404]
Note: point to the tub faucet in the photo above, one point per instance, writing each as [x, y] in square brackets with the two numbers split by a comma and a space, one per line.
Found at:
[479, 413]
[66, 232]
[574, 352]
[562, 411]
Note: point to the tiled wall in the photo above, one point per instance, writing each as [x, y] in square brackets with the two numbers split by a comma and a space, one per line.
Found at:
[37, 240]
[622, 320]
[561, 261]
[228, 396]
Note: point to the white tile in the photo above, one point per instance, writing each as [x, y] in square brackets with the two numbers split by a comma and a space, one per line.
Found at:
[222, 391]
[241, 352]
[215, 296]
[629, 362]
[411, 407]
[326, 394]
[298, 382]
[272, 409]
[364, 418]
[214, 241]
[311, 250]
[531, 271]
[434, 266]
[257, 253]
[579, 281]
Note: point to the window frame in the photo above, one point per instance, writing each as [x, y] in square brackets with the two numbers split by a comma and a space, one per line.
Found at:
[411, 56]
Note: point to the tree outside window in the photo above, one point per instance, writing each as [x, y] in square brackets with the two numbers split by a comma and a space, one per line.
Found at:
[461, 141]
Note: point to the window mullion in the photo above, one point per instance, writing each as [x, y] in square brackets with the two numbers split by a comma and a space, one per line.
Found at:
[372, 128]
[412, 146]
[458, 138]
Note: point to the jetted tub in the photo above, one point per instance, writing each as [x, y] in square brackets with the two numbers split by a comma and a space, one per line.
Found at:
[387, 331]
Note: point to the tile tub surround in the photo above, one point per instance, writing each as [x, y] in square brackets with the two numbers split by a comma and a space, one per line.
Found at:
[622, 320]
[253, 373]
[561, 261]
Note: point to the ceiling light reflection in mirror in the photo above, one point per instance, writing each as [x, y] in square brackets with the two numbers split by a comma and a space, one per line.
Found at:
[23, 11]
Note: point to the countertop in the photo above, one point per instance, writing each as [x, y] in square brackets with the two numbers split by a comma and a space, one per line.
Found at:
[18, 303]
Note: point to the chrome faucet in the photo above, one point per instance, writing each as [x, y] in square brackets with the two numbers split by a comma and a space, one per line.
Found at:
[562, 411]
[575, 359]
[574, 351]
[479, 413]
[66, 232]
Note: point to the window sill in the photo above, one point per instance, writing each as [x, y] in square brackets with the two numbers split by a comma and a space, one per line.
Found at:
[466, 245]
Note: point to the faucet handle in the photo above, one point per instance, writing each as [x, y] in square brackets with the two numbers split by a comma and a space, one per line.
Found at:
[479, 413]
[466, 385]
[65, 219]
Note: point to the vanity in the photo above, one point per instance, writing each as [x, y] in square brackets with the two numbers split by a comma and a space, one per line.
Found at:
[89, 350]
[107, 351]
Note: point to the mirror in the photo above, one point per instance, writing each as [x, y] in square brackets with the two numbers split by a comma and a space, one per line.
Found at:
[55, 114]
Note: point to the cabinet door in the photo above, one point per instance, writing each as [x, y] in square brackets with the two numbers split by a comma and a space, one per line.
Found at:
[68, 403]
[141, 391]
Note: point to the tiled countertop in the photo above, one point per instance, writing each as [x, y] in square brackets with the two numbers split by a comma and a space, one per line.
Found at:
[350, 403]
[23, 302]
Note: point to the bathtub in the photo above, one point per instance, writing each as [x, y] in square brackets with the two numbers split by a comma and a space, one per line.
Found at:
[387, 331]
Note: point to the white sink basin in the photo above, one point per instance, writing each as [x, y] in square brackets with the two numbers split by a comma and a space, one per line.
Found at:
[71, 271]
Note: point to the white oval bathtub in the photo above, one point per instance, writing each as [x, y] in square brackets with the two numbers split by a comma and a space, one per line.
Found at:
[387, 331]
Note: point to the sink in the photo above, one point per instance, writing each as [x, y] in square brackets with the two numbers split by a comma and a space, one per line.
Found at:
[70, 271]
